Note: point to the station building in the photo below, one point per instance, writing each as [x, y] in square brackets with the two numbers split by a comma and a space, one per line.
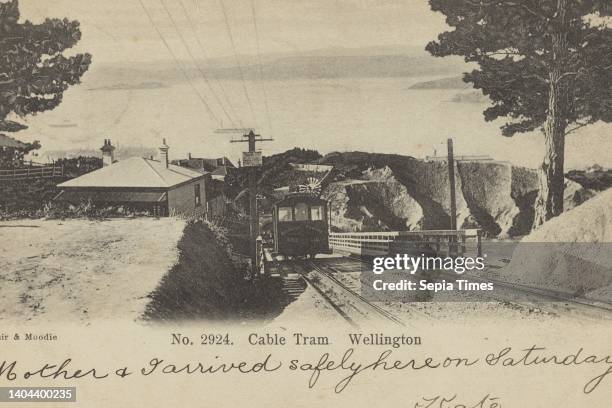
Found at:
[141, 184]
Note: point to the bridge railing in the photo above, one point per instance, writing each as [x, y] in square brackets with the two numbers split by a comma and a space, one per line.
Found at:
[449, 242]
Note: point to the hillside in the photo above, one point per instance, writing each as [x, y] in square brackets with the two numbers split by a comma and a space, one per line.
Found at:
[377, 62]
[570, 252]
[378, 192]
[275, 172]
[387, 192]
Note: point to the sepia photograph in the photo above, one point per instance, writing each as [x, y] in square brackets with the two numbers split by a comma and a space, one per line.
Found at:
[303, 203]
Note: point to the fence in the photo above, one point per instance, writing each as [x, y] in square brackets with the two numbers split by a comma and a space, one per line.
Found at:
[25, 173]
[451, 242]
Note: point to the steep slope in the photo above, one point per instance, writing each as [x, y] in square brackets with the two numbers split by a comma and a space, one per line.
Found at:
[571, 252]
[487, 190]
[382, 203]
[203, 284]
[399, 192]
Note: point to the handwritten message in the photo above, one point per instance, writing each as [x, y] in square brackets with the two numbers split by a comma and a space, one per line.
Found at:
[346, 366]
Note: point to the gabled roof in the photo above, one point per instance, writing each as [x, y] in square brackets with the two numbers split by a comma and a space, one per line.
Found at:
[135, 172]
[76, 196]
[220, 171]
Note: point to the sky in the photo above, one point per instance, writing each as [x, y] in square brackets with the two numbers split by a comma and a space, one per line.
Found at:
[120, 30]
[371, 114]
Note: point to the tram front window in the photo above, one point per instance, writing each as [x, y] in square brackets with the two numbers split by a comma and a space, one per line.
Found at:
[316, 212]
[284, 214]
[301, 212]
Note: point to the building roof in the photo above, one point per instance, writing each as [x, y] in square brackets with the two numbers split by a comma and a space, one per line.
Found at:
[135, 172]
[77, 196]
[220, 171]
[201, 163]
[316, 168]
[220, 161]
[6, 141]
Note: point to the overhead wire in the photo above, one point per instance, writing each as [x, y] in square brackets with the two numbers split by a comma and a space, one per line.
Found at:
[201, 72]
[261, 80]
[193, 28]
[233, 44]
[178, 63]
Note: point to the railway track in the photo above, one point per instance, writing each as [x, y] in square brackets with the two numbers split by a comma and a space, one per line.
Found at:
[353, 307]
[543, 294]
[548, 294]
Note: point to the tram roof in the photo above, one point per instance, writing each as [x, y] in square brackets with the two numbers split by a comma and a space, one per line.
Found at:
[294, 198]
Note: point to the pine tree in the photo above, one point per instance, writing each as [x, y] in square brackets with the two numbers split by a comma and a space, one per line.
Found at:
[33, 71]
[544, 64]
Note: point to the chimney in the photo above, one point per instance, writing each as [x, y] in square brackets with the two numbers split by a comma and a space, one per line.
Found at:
[108, 153]
[163, 152]
[189, 155]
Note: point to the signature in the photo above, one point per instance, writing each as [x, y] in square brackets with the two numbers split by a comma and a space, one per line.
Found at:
[440, 401]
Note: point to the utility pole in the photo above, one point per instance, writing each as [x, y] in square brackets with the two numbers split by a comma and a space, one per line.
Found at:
[251, 159]
[451, 179]
[452, 244]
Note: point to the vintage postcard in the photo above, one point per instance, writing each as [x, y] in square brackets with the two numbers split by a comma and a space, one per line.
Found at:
[282, 203]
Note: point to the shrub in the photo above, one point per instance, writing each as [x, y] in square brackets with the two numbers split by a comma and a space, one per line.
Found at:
[58, 210]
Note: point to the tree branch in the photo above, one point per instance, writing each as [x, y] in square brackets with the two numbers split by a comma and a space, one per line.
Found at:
[501, 52]
[507, 3]
[536, 76]
[579, 125]
[567, 74]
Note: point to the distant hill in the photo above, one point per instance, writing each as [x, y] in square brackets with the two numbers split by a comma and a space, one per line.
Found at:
[443, 83]
[380, 62]
[454, 83]
[344, 66]
[470, 97]
[122, 152]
